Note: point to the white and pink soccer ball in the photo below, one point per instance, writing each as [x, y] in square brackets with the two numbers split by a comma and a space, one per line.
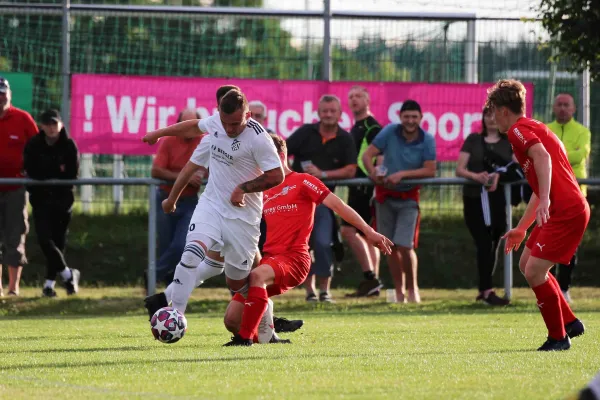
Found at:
[168, 325]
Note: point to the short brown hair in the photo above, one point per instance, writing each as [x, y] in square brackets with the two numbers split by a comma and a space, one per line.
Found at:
[222, 91]
[233, 101]
[508, 93]
[280, 144]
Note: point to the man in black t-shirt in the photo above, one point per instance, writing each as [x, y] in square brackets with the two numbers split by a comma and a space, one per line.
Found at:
[325, 151]
[359, 197]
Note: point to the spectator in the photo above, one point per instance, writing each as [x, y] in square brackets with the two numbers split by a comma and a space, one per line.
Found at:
[408, 152]
[51, 154]
[259, 113]
[577, 141]
[172, 155]
[326, 151]
[484, 205]
[359, 197]
[16, 128]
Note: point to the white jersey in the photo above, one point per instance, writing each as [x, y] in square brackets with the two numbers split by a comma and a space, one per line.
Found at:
[233, 161]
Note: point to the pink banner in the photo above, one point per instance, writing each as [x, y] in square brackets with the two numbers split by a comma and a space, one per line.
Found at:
[111, 113]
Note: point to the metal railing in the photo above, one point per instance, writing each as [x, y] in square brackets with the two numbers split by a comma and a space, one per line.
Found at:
[152, 210]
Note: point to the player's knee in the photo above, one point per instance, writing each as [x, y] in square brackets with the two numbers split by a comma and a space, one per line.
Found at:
[258, 277]
[193, 254]
[237, 286]
[531, 274]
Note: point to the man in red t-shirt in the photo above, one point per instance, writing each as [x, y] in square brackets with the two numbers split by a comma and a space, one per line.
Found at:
[289, 210]
[171, 156]
[16, 128]
[557, 205]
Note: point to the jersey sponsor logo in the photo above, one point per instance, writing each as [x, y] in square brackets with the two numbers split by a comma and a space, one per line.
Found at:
[313, 187]
[283, 192]
[519, 135]
[235, 145]
[527, 166]
[14, 137]
[280, 208]
[222, 152]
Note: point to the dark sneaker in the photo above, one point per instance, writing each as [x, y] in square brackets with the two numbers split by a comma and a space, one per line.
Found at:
[72, 285]
[311, 297]
[154, 303]
[285, 325]
[575, 328]
[556, 345]
[237, 340]
[367, 288]
[48, 292]
[493, 300]
[325, 297]
[277, 340]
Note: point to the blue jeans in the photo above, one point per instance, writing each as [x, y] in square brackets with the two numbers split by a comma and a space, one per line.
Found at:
[320, 241]
[172, 230]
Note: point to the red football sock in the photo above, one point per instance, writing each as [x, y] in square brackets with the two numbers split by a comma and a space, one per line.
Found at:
[549, 304]
[254, 308]
[239, 298]
[565, 308]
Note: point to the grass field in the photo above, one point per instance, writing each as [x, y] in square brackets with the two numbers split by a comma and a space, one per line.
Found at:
[98, 346]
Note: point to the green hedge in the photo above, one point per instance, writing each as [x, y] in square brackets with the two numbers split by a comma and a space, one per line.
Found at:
[111, 250]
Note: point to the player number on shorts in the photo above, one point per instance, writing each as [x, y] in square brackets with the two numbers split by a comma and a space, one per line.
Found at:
[192, 227]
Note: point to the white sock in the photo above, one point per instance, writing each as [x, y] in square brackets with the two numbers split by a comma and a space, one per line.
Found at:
[266, 329]
[66, 274]
[49, 284]
[206, 270]
[182, 287]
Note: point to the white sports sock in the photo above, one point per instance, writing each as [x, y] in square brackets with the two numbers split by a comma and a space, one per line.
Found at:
[206, 270]
[49, 284]
[266, 328]
[66, 274]
[182, 287]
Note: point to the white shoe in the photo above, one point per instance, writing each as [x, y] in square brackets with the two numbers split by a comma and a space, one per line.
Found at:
[266, 327]
[567, 296]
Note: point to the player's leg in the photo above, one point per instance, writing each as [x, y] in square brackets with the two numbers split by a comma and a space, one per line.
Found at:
[233, 313]
[257, 299]
[564, 274]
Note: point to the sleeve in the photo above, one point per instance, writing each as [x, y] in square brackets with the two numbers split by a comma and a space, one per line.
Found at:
[380, 141]
[30, 166]
[350, 155]
[162, 154]
[314, 189]
[430, 152]
[203, 124]
[72, 162]
[468, 144]
[265, 152]
[294, 141]
[31, 128]
[582, 148]
[522, 138]
[201, 155]
[372, 131]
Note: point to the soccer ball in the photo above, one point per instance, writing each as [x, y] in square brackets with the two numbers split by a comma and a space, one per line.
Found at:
[168, 325]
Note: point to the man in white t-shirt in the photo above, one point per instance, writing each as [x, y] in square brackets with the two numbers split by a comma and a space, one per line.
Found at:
[243, 163]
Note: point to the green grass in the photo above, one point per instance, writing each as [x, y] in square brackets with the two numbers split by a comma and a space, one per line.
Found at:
[98, 346]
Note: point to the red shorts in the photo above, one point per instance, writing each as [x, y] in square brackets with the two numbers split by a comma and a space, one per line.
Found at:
[559, 238]
[291, 269]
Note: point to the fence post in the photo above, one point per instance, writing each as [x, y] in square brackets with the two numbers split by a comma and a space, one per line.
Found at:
[471, 53]
[66, 63]
[118, 173]
[151, 274]
[508, 264]
[326, 40]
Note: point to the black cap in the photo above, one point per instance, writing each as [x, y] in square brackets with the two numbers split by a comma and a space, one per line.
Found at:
[410, 105]
[50, 117]
[4, 86]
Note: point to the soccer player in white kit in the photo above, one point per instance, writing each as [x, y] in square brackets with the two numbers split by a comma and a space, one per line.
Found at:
[243, 163]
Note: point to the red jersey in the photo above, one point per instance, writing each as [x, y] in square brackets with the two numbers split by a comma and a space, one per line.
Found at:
[565, 195]
[289, 212]
[16, 128]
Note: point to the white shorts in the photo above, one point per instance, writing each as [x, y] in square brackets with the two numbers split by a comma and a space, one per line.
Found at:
[236, 240]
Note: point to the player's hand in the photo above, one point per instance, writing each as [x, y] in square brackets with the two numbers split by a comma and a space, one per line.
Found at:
[514, 237]
[542, 212]
[150, 138]
[314, 171]
[237, 197]
[481, 177]
[381, 242]
[168, 206]
[393, 179]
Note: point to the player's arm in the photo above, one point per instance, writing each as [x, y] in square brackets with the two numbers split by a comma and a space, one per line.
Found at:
[336, 204]
[529, 214]
[542, 165]
[186, 129]
[180, 183]
[264, 182]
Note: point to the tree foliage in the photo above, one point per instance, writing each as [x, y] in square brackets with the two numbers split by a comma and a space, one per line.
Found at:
[574, 28]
